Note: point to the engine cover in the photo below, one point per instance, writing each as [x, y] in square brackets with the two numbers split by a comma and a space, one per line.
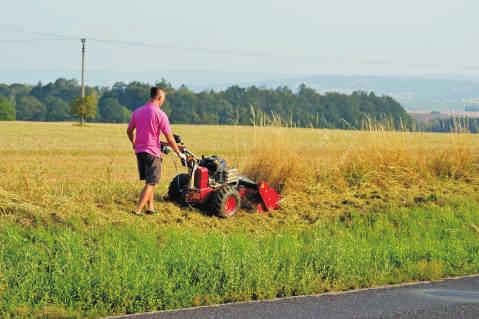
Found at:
[227, 176]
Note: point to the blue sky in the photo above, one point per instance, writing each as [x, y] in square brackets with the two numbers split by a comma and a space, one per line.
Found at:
[40, 39]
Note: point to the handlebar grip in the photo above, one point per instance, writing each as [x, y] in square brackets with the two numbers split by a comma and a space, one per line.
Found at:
[164, 149]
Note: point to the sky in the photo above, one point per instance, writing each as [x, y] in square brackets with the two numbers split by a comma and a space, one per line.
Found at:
[250, 39]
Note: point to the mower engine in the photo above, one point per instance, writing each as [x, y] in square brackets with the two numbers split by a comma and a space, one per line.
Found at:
[210, 182]
[218, 172]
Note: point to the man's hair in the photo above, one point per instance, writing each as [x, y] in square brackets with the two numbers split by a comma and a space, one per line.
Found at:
[154, 91]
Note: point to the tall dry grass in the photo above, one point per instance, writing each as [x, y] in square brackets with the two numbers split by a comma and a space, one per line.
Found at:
[380, 158]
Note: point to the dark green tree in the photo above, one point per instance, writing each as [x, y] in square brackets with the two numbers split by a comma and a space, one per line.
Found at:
[57, 109]
[110, 110]
[29, 108]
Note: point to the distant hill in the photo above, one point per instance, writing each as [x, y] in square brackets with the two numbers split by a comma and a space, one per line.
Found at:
[413, 93]
[424, 116]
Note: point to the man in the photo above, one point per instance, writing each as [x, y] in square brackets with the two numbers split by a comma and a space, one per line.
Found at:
[150, 122]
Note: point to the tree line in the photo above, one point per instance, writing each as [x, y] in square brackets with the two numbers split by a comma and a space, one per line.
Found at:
[304, 107]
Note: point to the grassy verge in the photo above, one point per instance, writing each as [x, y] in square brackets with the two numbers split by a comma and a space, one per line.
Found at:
[62, 271]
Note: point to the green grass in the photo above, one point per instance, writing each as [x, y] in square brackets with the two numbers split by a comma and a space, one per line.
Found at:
[67, 270]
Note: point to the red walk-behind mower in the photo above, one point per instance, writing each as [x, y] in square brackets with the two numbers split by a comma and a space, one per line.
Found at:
[212, 184]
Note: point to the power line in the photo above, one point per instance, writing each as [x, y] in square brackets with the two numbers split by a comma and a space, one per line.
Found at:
[232, 52]
[179, 47]
[167, 46]
[27, 40]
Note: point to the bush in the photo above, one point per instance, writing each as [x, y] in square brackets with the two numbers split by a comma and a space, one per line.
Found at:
[7, 110]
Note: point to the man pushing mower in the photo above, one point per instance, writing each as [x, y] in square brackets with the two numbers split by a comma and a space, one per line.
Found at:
[147, 123]
[209, 183]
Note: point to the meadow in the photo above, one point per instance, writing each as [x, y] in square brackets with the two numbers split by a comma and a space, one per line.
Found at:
[359, 209]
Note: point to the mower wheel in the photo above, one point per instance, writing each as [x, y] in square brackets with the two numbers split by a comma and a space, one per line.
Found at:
[175, 190]
[226, 202]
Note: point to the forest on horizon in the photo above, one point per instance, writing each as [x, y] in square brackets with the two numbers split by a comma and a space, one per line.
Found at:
[303, 107]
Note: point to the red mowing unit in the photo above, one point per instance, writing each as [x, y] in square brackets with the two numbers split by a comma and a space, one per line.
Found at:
[211, 183]
[270, 198]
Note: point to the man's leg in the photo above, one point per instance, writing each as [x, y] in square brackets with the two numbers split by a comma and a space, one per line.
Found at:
[150, 172]
[145, 197]
[150, 205]
[153, 177]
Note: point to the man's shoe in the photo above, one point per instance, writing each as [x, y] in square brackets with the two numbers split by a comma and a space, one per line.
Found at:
[136, 213]
[150, 212]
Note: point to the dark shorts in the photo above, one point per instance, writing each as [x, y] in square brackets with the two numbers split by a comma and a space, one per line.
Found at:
[149, 168]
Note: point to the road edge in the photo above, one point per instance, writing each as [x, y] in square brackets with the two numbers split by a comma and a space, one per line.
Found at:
[329, 293]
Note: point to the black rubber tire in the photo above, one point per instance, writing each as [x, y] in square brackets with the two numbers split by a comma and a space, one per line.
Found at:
[175, 190]
[219, 201]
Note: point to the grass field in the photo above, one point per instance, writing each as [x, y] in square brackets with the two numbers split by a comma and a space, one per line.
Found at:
[359, 209]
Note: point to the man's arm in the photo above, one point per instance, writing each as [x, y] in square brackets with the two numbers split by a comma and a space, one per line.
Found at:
[131, 135]
[171, 141]
[165, 128]
[130, 131]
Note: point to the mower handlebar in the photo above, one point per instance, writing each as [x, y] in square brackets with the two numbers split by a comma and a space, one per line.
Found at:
[166, 149]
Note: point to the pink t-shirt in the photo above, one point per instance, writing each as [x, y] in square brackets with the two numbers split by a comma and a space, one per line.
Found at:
[149, 121]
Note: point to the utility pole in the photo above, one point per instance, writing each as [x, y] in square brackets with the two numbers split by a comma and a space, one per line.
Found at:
[83, 40]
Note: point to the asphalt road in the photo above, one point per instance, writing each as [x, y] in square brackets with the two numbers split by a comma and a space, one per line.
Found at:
[452, 298]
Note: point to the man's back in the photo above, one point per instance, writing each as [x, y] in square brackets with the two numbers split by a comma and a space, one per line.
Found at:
[150, 121]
